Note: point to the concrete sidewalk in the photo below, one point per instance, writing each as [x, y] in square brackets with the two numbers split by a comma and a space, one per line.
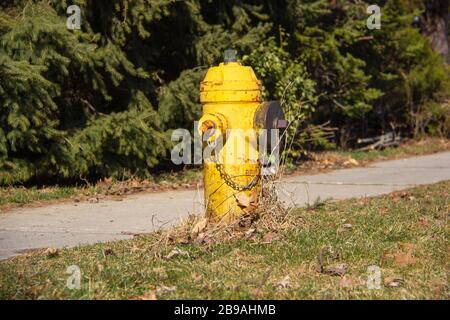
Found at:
[71, 224]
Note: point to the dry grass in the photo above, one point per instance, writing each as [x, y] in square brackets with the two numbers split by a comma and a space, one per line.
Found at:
[320, 252]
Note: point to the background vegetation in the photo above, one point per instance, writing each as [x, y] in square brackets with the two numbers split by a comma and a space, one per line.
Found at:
[102, 101]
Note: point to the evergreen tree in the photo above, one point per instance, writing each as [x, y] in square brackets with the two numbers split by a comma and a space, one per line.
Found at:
[102, 101]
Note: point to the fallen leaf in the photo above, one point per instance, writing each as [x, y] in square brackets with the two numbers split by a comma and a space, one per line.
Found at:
[338, 269]
[403, 194]
[393, 282]
[182, 239]
[350, 282]
[285, 283]
[246, 202]
[149, 295]
[243, 199]
[407, 245]
[177, 252]
[423, 222]
[346, 227]
[405, 257]
[93, 200]
[200, 238]
[250, 232]
[134, 183]
[51, 252]
[269, 237]
[164, 289]
[200, 226]
[352, 162]
[108, 252]
[256, 292]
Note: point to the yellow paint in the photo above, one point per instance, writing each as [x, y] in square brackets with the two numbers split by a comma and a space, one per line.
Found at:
[230, 94]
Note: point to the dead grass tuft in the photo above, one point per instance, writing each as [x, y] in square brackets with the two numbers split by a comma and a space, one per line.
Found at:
[263, 224]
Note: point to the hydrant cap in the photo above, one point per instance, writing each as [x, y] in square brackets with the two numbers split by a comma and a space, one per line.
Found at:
[230, 82]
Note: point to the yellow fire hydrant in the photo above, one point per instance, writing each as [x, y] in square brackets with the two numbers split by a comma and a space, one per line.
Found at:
[232, 113]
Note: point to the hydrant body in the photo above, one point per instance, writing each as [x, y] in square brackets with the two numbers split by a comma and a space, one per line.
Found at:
[230, 95]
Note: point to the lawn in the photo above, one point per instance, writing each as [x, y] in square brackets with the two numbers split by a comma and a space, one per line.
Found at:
[326, 251]
[411, 148]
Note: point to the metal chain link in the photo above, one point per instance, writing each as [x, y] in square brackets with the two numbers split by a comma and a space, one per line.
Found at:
[229, 180]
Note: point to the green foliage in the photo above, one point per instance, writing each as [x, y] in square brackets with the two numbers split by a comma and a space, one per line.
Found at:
[285, 79]
[61, 112]
[118, 144]
[412, 77]
[179, 101]
[326, 41]
[101, 101]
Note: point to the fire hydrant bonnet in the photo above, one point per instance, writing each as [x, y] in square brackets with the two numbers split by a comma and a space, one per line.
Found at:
[230, 82]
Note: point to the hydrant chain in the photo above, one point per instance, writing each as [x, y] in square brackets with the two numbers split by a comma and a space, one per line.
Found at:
[229, 180]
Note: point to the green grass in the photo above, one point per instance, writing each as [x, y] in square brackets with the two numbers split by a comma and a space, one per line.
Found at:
[22, 195]
[405, 234]
[19, 196]
[414, 148]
